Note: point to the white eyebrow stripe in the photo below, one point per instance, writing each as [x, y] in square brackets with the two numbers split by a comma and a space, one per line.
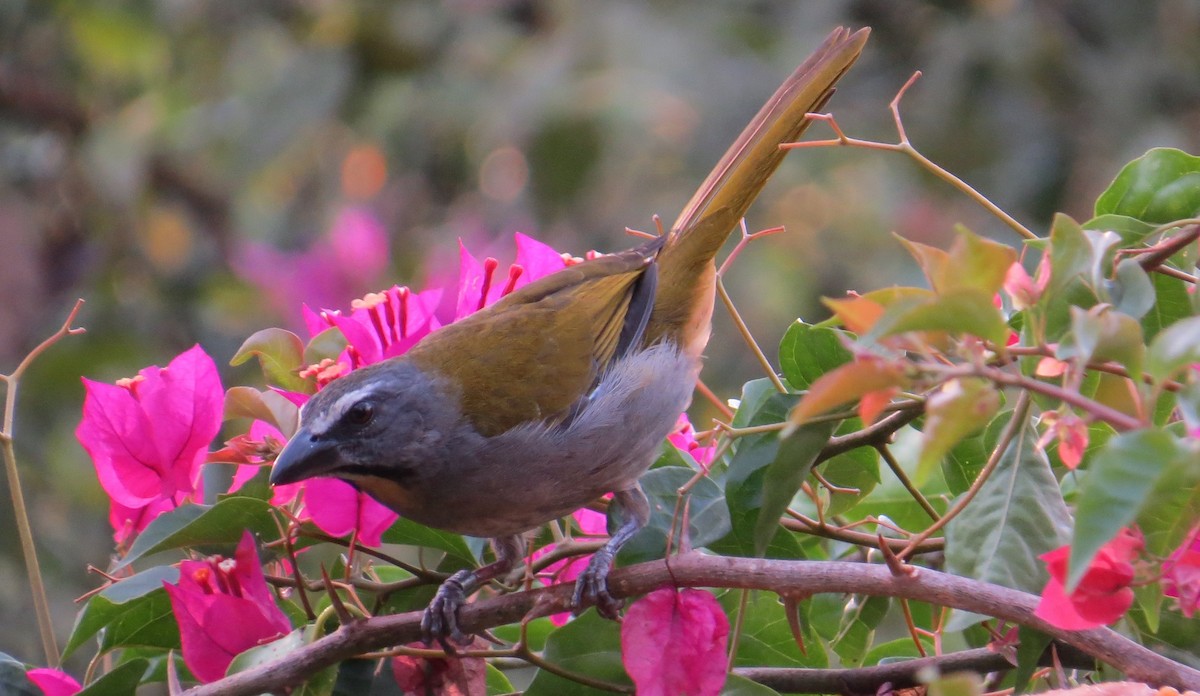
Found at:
[325, 420]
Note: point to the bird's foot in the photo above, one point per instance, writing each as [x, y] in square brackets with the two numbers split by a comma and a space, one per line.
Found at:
[591, 588]
[440, 622]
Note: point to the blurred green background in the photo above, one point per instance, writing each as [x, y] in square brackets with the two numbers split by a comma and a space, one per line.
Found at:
[196, 169]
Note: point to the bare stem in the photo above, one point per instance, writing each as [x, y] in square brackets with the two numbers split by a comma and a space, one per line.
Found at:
[748, 337]
[1011, 431]
[37, 585]
[904, 146]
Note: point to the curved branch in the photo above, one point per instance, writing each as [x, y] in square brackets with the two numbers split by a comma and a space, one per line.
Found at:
[698, 570]
[901, 675]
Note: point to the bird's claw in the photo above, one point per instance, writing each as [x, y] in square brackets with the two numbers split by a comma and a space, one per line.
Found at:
[440, 621]
[591, 588]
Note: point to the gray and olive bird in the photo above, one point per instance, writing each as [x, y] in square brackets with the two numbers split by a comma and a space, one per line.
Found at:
[560, 392]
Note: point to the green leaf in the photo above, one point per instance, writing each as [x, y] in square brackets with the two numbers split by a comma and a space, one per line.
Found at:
[967, 311]
[1149, 599]
[1070, 256]
[1174, 349]
[957, 684]
[862, 615]
[267, 406]
[497, 681]
[1172, 303]
[975, 263]
[327, 345]
[1118, 484]
[589, 645]
[1102, 334]
[1176, 508]
[806, 352]
[405, 531]
[857, 469]
[1017, 515]
[766, 639]
[741, 686]
[844, 384]
[1132, 290]
[961, 407]
[1030, 647]
[199, 525]
[135, 611]
[1161, 186]
[708, 515]
[121, 681]
[280, 353]
[1132, 230]
[963, 463]
[318, 684]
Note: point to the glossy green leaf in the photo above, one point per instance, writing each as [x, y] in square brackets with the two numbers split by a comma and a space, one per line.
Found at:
[1131, 290]
[1030, 647]
[405, 531]
[766, 639]
[1172, 303]
[806, 352]
[960, 408]
[327, 345]
[708, 515]
[588, 645]
[135, 611]
[968, 311]
[963, 463]
[1174, 349]
[1176, 505]
[121, 681]
[280, 353]
[497, 681]
[975, 263]
[1017, 515]
[862, 615]
[1102, 334]
[740, 686]
[190, 526]
[1070, 255]
[857, 470]
[1161, 186]
[1130, 229]
[1118, 484]
[267, 406]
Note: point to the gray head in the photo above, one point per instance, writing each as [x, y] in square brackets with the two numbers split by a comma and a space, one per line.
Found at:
[381, 421]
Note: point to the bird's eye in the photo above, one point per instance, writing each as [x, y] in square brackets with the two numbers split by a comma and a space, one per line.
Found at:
[360, 413]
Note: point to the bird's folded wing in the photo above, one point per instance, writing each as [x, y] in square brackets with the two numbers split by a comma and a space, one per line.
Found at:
[535, 353]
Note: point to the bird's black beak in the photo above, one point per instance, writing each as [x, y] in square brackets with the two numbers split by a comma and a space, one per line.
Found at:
[303, 457]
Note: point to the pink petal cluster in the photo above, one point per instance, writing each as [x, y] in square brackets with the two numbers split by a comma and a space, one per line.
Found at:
[1024, 290]
[1071, 431]
[148, 435]
[54, 682]
[673, 642]
[223, 607]
[684, 438]
[1181, 574]
[348, 261]
[1104, 593]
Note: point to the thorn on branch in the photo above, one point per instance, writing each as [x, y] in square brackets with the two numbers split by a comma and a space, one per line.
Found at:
[339, 607]
[899, 568]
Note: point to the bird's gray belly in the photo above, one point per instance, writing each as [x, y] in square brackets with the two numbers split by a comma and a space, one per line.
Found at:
[535, 473]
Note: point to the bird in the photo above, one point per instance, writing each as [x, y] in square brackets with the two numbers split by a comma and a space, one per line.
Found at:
[561, 391]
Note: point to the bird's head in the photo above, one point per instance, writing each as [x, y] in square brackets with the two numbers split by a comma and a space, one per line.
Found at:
[379, 421]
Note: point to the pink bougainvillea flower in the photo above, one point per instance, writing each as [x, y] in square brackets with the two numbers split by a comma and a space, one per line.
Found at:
[673, 642]
[380, 325]
[479, 286]
[1104, 593]
[1024, 290]
[53, 682]
[684, 438]
[148, 435]
[128, 522]
[1181, 574]
[348, 261]
[337, 508]
[591, 523]
[223, 607]
[1071, 431]
[250, 452]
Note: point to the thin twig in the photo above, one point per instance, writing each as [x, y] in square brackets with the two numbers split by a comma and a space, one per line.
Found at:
[898, 472]
[1011, 431]
[748, 337]
[37, 586]
[906, 147]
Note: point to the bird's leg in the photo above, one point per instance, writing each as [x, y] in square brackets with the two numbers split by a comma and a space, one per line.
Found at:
[592, 585]
[440, 621]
